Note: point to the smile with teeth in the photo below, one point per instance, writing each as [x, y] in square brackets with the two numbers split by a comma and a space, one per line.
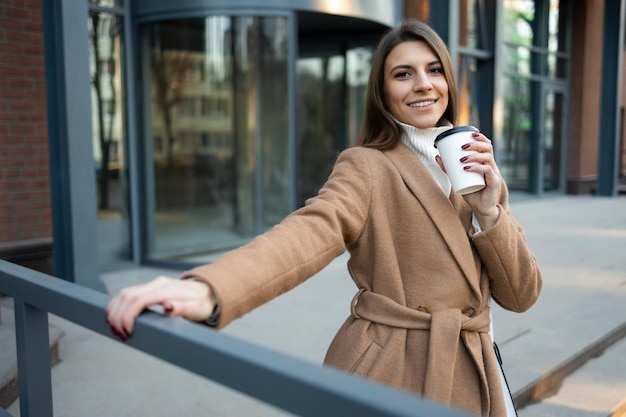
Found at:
[422, 103]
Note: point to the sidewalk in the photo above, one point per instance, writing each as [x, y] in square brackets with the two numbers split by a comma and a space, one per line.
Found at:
[579, 241]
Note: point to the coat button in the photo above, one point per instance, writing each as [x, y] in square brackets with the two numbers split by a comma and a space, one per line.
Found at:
[469, 311]
[423, 308]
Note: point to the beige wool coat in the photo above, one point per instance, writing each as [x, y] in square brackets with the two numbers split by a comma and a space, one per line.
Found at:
[420, 317]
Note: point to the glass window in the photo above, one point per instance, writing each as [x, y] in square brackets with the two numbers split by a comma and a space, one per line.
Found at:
[552, 138]
[320, 120]
[107, 3]
[332, 85]
[358, 61]
[216, 132]
[515, 151]
[470, 31]
[107, 92]
[475, 49]
[519, 63]
[536, 69]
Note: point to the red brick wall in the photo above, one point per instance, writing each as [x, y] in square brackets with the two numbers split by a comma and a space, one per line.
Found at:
[585, 86]
[418, 9]
[25, 209]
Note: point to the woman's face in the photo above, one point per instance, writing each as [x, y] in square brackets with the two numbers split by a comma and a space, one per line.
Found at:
[415, 88]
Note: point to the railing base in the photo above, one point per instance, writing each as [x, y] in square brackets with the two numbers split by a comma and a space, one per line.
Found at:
[9, 390]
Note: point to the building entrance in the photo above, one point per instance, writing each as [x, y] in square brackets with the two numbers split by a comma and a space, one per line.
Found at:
[536, 57]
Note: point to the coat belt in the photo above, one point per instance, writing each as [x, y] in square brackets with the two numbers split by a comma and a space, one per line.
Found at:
[448, 328]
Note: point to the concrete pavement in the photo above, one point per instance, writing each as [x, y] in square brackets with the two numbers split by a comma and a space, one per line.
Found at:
[579, 241]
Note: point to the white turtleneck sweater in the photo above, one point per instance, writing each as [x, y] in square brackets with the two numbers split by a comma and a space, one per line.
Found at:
[422, 143]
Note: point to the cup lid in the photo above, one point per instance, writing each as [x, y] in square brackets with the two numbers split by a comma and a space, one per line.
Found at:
[454, 130]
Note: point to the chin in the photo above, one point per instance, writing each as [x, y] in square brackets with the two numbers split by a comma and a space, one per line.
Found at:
[424, 125]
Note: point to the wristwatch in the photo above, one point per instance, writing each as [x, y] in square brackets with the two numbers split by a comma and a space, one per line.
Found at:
[214, 318]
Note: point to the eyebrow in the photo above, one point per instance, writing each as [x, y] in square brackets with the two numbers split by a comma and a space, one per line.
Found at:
[405, 66]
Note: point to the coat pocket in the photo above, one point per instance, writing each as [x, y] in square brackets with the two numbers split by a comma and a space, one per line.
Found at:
[367, 360]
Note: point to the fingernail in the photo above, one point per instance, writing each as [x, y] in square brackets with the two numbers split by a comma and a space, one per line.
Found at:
[118, 334]
[467, 145]
[475, 134]
[168, 307]
[466, 167]
[463, 159]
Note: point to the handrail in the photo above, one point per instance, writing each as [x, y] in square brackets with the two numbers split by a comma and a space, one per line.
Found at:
[286, 382]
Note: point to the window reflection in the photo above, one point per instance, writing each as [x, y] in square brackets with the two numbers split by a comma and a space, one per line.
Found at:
[536, 61]
[107, 92]
[107, 3]
[321, 133]
[331, 97]
[217, 132]
[220, 165]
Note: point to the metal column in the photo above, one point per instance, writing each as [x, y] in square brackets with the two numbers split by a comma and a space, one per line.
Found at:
[613, 45]
[72, 169]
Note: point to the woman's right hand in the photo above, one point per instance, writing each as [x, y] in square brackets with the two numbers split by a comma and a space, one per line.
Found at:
[190, 299]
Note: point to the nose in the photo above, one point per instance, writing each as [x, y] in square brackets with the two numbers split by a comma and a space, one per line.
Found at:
[422, 82]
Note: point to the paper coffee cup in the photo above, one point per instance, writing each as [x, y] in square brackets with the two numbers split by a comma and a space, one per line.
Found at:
[449, 145]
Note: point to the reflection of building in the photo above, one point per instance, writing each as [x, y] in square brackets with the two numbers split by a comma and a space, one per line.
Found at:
[201, 113]
[228, 119]
[106, 105]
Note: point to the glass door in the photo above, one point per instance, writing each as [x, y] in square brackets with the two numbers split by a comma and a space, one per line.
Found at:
[536, 60]
[552, 155]
[216, 142]
[332, 85]
[106, 52]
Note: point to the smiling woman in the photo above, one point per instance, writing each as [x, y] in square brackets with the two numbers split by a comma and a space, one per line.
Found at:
[426, 261]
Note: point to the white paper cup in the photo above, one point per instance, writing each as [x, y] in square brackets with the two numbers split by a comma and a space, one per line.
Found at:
[449, 145]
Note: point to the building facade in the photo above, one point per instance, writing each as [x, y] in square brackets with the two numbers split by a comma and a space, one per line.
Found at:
[169, 132]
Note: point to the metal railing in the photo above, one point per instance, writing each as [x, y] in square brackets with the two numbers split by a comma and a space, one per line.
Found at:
[283, 381]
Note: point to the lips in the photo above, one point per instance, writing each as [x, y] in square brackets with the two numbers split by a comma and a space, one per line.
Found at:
[422, 103]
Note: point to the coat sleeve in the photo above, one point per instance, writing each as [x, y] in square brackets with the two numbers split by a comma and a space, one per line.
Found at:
[514, 274]
[298, 247]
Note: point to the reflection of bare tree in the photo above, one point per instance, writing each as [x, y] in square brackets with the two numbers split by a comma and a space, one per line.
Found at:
[516, 127]
[105, 133]
[168, 72]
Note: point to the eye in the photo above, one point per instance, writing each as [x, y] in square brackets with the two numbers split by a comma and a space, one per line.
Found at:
[436, 70]
[402, 74]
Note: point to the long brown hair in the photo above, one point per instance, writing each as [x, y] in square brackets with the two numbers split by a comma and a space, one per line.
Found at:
[379, 130]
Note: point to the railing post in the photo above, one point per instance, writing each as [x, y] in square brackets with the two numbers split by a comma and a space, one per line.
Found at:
[33, 360]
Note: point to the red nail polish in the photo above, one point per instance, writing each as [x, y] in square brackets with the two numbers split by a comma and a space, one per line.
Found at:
[467, 145]
[463, 159]
[168, 308]
[475, 134]
[466, 167]
[118, 334]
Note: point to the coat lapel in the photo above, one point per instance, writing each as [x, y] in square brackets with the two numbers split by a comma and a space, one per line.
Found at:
[452, 217]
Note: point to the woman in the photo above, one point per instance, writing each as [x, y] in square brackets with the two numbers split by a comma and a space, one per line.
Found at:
[426, 261]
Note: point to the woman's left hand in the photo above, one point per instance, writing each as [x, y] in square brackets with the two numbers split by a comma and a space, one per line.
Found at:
[483, 202]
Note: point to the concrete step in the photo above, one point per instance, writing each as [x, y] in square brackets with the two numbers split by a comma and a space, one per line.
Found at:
[9, 389]
[553, 378]
[596, 389]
